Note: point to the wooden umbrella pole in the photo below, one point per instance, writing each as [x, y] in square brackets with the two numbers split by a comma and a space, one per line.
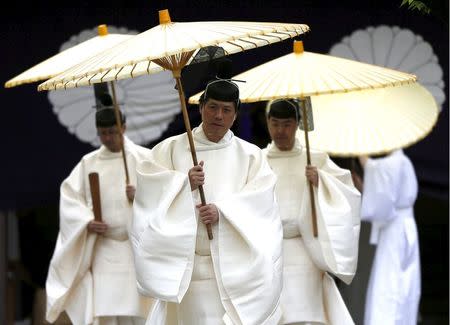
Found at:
[177, 76]
[308, 160]
[94, 186]
[119, 127]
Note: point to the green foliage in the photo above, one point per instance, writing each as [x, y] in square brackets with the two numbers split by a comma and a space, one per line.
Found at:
[416, 5]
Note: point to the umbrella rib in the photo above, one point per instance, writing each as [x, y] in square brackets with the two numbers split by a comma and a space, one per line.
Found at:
[259, 38]
[101, 78]
[339, 80]
[262, 31]
[104, 60]
[148, 66]
[65, 88]
[249, 42]
[288, 34]
[379, 84]
[132, 70]
[237, 45]
[76, 82]
[118, 57]
[275, 36]
[120, 70]
[357, 79]
[185, 56]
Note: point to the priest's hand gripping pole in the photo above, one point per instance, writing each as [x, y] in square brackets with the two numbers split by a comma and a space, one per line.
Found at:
[308, 160]
[177, 76]
[119, 127]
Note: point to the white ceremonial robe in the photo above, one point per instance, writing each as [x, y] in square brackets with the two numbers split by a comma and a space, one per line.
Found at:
[91, 275]
[309, 293]
[390, 190]
[235, 278]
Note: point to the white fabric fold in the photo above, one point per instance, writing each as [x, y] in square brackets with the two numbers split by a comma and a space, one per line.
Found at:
[338, 221]
[73, 282]
[246, 249]
[252, 229]
[390, 190]
[69, 271]
[336, 310]
[163, 232]
[309, 294]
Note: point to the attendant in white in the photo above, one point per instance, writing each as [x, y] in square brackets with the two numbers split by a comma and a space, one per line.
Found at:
[389, 192]
[92, 275]
[310, 295]
[235, 278]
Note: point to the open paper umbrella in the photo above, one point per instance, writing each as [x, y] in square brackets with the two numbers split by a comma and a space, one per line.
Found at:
[303, 74]
[68, 58]
[373, 121]
[171, 45]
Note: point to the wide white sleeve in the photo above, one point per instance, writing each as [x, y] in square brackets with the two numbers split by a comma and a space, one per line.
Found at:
[249, 246]
[69, 273]
[337, 203]
[163, 232]
[408, 188]
[378, 202]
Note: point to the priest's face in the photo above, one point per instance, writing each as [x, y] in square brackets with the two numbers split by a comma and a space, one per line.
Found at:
[217, 117]
[111, 137]
[282, 131]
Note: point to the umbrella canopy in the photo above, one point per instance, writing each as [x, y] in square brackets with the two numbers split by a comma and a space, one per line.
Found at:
[374, 121]
[301, 74]
[171, 45]
[347, 122]
[68, 58]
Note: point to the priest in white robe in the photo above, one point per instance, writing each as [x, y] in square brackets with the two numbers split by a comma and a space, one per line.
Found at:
[310, 295]
[236, 277]
[91, 274]
[389, 192]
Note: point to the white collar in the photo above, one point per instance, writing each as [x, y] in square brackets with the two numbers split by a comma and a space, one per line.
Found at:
[274, 152]
[105, 153]
[203, 143]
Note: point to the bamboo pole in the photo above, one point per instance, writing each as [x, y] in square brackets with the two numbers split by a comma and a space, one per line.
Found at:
[119, 126]
[95, 194]
[308, 160]
[177, 76]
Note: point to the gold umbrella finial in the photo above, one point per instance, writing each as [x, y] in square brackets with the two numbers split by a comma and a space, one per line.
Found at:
[298, 47]
[164, 17]
[102, 30]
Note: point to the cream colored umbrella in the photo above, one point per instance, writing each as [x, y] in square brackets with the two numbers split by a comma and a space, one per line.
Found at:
[303, 74]
[373, 121]
[171, 45]
[68, 58]
[71, 57]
